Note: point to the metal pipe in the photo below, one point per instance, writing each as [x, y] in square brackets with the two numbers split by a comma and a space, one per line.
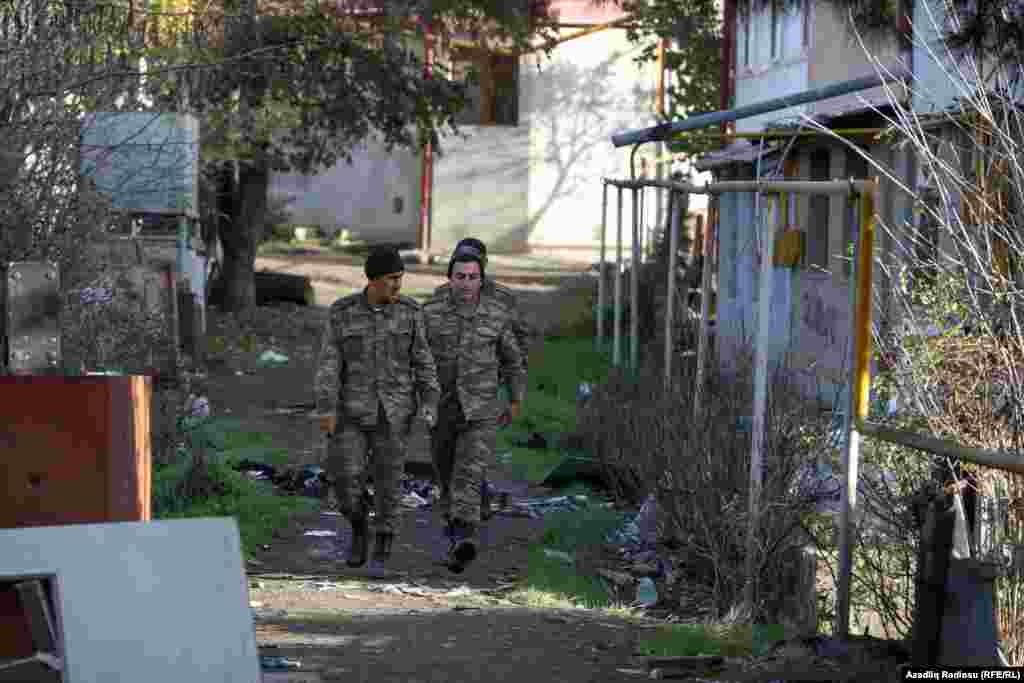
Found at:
[705, 301]
[670, 291]
[839, 187]
[663, 131]
[778, 133]
[634, 288]
[601, 294]
[427, 162]
[757, 455]
[862, 369]
[858, 394]
[929, 444]
[617, 334]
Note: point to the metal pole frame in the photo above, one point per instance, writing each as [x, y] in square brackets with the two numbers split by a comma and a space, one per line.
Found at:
[861, 332]
[670, 292]
[703, 340]
[858, 400]
[617, 333]
[634, 286]
[601, 294]
[758, 437]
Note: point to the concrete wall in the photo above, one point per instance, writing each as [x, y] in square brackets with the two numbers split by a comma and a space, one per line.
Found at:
[767, 76]
[376, 198]
[836, 54]
[537, 185]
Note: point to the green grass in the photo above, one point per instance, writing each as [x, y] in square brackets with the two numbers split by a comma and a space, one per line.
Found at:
[551, 580]
[550, 406]
[255, 505]
[727, 640]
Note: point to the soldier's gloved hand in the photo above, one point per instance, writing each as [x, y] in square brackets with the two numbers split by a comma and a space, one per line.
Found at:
[512, 413]
[428, 416]
[328, 423]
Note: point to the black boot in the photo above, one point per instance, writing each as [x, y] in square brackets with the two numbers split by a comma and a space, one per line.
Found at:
[360, 543]
[382, 547]
[463, 547]
[379, 561]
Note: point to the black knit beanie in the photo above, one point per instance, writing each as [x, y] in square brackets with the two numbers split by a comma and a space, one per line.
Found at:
[383, 261]
[469, 249]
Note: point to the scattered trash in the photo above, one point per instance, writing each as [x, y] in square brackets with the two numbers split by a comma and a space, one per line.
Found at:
[199, 407]
[559, 555]
[646, 592]
[278, 663]
[320, 532]
[647, 521]
[325, 586]
[256, 470]
[538, 507]
[584, 392]
[413, 501]
[97, 295]
[271, 358]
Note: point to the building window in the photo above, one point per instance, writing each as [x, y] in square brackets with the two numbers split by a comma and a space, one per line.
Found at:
[776, 29]
[817, 226]
[493, 93]
[745, 29]
[805, 22]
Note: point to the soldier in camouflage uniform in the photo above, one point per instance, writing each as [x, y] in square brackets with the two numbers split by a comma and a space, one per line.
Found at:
[522, 331]
[475, 348]
[520, 327]
[374, 361]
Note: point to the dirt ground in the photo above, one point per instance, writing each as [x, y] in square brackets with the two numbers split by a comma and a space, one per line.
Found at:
[423, 624]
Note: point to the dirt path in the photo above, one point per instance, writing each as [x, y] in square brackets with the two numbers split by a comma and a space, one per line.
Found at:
[423, 624]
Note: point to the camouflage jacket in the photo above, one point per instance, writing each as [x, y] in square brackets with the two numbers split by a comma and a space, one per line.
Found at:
[371, 357]
[521, 329]
[470, 348]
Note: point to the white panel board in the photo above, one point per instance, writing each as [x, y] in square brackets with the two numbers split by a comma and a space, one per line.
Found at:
[161, 602]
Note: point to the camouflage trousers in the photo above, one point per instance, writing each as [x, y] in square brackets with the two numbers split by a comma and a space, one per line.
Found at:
[462, 452]
[355, 453]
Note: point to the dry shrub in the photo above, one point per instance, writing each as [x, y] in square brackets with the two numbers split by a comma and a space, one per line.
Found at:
[697, 464]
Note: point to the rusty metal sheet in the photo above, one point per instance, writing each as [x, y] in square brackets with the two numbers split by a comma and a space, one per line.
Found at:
[33, 317]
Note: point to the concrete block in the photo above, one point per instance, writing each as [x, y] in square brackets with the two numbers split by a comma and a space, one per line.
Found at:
[162, 601]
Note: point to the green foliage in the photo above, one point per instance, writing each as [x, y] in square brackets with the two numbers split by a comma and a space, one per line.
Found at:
[694, 28]
[727, 640]
[553, 576]
[202, 482]
[550, 407]
[567, 533]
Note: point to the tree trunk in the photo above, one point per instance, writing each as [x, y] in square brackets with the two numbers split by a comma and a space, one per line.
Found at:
[241, 236]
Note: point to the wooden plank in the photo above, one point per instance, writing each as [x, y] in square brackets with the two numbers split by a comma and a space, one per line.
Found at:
[37, 609]
[128, 416]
